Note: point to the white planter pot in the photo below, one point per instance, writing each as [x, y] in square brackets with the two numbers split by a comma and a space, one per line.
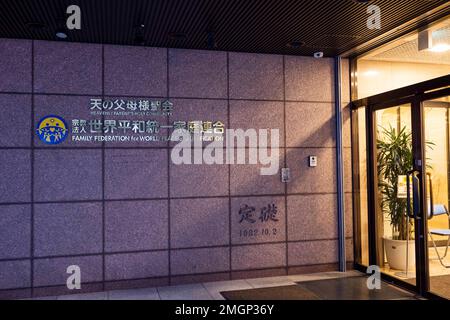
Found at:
[396, 254]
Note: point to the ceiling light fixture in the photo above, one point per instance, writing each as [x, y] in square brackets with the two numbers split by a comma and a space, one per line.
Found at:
[61, 31]
[295, 44]
[61, 34]
[371, 73]
[442, 47]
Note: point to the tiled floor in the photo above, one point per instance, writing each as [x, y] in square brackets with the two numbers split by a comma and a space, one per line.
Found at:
[354, 288]
[201, 291]
[437, 271]
[435, 267]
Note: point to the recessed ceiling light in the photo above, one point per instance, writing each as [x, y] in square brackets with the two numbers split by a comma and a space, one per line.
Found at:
[61, 34]
[371, 73]
[442, 47]
[295, 44]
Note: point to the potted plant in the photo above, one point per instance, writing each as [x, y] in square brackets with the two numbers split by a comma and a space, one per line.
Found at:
[394, 159]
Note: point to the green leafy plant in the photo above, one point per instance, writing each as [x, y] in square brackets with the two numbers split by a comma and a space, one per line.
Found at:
[394, 158]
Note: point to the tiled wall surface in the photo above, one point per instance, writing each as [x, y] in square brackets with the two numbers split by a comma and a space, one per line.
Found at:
[127, 215]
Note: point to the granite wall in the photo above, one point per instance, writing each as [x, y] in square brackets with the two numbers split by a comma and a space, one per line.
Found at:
[128, 216]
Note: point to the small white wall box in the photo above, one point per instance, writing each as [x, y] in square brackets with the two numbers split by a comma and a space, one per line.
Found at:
[285, 174]
[313, 161]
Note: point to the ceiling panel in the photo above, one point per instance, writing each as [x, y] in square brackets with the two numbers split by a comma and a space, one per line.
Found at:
[406, 50]
[332, 26]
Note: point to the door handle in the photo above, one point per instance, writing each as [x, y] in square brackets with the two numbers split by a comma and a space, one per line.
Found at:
[416, 194]
[430, 187]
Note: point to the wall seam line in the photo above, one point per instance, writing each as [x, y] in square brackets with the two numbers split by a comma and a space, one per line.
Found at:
[32, 174]
[230, 258]
[285, 164]
[169, 252]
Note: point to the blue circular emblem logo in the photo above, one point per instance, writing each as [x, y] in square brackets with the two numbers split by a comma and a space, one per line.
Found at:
[52, 129]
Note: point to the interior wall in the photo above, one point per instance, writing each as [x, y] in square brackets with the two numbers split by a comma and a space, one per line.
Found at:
[376, 77]
[127, 215]
[436, 153]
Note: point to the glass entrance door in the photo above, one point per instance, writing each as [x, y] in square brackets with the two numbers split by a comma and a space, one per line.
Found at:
[396, 182]
[436, 133]
[411, 192]
[401, 181]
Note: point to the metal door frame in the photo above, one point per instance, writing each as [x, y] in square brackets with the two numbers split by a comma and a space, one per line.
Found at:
[413, 95]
